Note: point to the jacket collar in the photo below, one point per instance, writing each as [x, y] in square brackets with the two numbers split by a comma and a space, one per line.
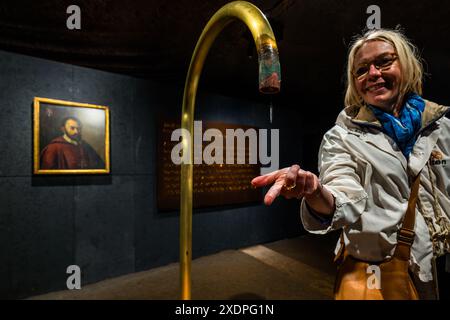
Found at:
[355, 117]
[432, 113]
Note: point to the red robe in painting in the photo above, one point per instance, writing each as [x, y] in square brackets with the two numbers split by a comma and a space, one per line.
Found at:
[60, 154]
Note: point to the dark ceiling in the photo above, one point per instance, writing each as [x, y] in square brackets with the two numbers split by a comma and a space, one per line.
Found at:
[155, 39]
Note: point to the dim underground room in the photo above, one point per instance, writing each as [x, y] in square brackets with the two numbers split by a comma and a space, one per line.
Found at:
[224, 150]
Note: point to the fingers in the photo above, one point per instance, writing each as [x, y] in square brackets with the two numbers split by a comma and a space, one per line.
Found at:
[309, 183]
[302, 183]
[291, 176]
[306, 184]
[273, 192]
[301, 179]
[268, 178]
[261, 181]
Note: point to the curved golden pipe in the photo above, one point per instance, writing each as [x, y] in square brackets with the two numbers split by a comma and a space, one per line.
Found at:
[269, 82]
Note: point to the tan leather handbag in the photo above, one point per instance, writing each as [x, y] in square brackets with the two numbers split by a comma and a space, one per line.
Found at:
[395, 279]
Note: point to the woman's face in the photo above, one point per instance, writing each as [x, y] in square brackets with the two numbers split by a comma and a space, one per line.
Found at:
[380, 86]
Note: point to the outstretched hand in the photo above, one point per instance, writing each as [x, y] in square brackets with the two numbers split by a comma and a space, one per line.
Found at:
[291, 182]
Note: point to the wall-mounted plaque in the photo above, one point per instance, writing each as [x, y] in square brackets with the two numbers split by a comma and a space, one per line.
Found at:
[70, 137]
[214, 184]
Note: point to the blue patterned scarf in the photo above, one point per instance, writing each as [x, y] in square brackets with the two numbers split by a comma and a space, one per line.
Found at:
[404, 128]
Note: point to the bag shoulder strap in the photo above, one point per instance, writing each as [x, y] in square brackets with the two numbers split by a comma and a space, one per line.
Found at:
[340, 254]
[406, 234]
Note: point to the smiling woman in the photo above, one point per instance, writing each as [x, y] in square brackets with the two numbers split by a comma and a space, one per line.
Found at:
[382, 148]
[378, 80]
[382, 67]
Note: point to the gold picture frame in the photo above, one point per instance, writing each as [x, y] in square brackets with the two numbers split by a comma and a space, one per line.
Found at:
[70, 137]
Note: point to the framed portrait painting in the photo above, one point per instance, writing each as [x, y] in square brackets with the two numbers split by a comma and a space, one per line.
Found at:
[70, 138]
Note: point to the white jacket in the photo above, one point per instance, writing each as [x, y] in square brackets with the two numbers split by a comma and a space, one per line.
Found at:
[368, 176]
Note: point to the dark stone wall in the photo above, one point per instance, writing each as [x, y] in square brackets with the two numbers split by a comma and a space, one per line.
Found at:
[110, 225]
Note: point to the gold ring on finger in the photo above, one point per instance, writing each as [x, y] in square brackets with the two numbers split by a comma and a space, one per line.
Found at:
[288, 188]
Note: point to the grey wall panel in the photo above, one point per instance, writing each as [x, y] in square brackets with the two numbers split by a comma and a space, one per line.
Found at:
[104, 224]
[149, 102]
[6, 210]
[41, 233]
[156, 241]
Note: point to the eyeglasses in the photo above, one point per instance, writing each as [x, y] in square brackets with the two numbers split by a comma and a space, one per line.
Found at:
[382, 63]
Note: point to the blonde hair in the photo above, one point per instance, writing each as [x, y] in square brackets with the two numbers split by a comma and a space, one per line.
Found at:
[408, 57]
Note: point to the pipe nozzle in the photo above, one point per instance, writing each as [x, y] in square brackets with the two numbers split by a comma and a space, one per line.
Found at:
[269, 69]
